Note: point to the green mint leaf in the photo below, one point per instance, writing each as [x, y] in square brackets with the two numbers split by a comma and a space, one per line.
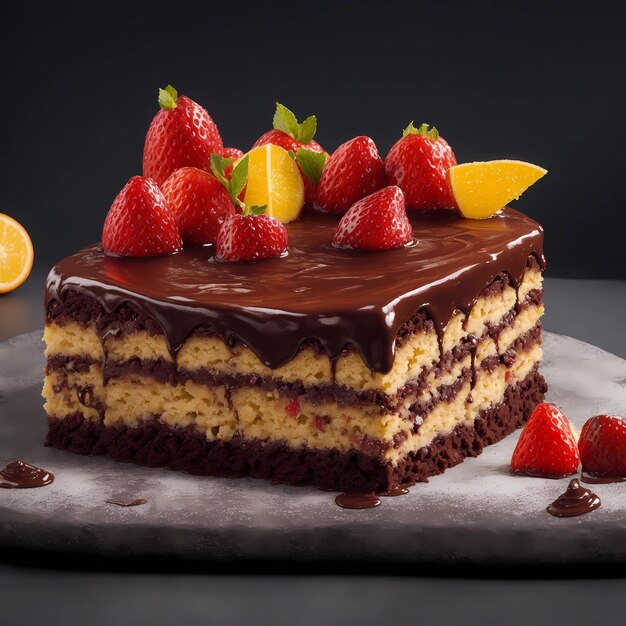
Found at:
[256, 210]
[311, 163]
[218, 167]
[291, 154]
[306, 130]
[285, 120]
[431, 133]
[239, 178]
[167, 98]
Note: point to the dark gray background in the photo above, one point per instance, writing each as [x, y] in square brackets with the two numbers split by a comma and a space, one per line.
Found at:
[536, 81]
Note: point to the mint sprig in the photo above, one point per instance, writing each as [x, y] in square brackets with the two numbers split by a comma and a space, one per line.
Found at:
[286, 121]
[424, 129]
[237, 182]
[167, 98]
[311, 163]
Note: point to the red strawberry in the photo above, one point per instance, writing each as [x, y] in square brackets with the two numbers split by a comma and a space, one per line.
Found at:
[181, 134]
[291, 135]
[199, 202]
[377, 222]
[232, 153]
[418, 163]
[353, 171]
[251, 236]
[140, 222]
[602, 445]
[547, 446]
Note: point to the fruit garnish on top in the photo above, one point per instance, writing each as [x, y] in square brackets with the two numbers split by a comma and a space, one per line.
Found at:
[181, 134]
[376, 222]
[547, 446]
[274, 180]
[297, 138]
[602, 446]
[417, 163]
[481, 189]
[353, 171]
[140, 222]
[251, 236]
[199, 202]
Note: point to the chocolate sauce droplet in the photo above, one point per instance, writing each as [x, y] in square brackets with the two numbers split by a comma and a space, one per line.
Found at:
[22, 475]
[601, 480]
[575, 501]
[137, 502]
[398, 491]
[357, 500]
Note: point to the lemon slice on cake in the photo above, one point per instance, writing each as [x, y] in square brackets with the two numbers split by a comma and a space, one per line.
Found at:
[483, 188]
[274, 181]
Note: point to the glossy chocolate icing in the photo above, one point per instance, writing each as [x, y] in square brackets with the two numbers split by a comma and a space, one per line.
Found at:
[337, 297]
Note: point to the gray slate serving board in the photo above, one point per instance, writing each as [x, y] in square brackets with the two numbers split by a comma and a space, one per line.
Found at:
[475, 512]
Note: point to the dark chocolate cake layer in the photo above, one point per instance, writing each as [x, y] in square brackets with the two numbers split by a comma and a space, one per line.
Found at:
[337, 298]
[186, 449]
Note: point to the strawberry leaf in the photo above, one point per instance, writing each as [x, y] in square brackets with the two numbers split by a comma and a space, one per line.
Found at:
[431, 133]
[306, 130]
[311, 163]
[239, 178]
[285, 120]
[167, 98]
[255, 210]
[218, 167]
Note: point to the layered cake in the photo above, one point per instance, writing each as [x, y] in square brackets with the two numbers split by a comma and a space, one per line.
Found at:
[350, 370]
[335, 320]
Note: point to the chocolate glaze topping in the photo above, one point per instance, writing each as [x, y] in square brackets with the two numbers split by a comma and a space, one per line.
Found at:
[21, 475]
[339, 298]
[575, 501]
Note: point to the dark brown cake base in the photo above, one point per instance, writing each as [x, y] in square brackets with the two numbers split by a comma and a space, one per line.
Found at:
[156, 444]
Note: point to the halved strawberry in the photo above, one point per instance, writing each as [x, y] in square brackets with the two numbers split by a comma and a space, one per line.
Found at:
[602, 445]
[377, 222]
[140, 222]
[181, 134]
[546, 447]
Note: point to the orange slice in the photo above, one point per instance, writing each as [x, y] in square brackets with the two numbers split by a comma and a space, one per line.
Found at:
[16, 254]
[481, 189]
[274, 180]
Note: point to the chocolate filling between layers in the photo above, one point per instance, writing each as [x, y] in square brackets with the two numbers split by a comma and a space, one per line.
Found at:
[165, 372]
[154, 443]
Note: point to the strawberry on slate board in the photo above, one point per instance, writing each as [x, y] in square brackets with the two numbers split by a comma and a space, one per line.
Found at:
[353, 171]
[297, 138]
[418, 163]
[140, 222]
[181, 134]
[199, 202]
[602, 446]
[376, 222]
[547, 446]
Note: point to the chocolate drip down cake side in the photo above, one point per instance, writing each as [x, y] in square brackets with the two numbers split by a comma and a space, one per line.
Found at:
[346, 369]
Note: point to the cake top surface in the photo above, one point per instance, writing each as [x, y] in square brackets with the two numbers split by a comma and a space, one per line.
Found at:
[337, 297]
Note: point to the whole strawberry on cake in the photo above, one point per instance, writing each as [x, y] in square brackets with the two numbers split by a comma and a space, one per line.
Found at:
[342, 320]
